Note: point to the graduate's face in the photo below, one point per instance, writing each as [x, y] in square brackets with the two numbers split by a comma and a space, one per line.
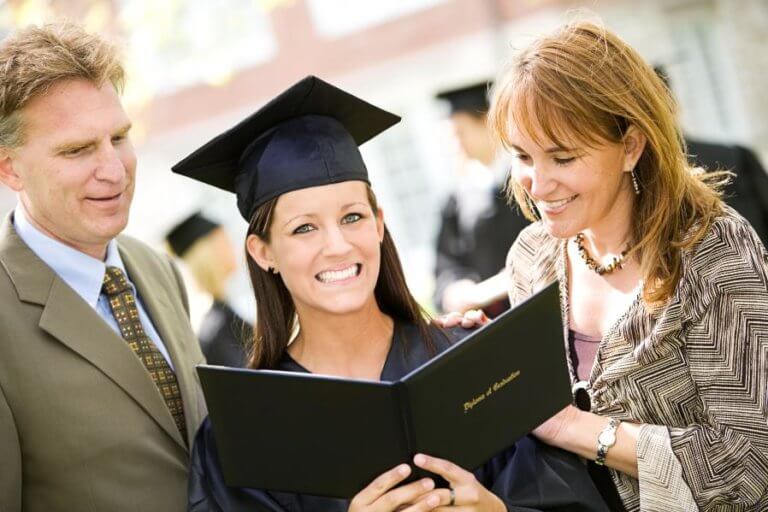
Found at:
[74, 171]
[325, 243]
[575, 188]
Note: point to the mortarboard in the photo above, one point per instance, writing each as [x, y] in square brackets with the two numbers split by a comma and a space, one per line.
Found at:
[472, 98]
[306, 136]
[184, 234]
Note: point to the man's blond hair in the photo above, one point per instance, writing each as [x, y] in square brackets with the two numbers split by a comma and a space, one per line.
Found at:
[37, 57]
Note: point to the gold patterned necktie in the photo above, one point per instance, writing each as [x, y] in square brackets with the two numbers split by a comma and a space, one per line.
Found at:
[123, 305]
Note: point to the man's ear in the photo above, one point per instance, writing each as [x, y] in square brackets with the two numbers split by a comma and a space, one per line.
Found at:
[8, 175]
[261, 253]
[634, 145]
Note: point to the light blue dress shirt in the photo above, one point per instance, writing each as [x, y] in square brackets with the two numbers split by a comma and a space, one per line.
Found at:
[83, 273]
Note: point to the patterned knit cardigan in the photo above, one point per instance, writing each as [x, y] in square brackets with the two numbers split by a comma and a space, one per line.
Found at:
[694, 372]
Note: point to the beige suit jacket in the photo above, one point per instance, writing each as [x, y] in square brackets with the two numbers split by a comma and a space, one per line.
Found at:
[82, 426]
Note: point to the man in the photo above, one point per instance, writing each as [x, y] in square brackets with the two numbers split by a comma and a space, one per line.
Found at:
[205, 248]
[748, 191]
[98, 396]
[477, 225]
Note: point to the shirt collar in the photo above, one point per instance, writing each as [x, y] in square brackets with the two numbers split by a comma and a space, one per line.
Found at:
[83, 273]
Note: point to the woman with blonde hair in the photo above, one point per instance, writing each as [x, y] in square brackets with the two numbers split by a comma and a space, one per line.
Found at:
[664, 289]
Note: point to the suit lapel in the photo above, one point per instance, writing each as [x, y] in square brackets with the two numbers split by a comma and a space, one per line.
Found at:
[172, 326]
[72, 322]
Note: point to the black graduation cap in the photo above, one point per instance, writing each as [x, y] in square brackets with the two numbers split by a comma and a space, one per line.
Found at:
[472, 99]
[305, 137]
[184, 234]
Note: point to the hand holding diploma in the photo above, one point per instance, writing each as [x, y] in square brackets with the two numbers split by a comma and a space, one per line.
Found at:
[380, 496]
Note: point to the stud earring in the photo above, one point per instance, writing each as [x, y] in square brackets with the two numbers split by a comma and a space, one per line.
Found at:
[272, 270]
[635, 183]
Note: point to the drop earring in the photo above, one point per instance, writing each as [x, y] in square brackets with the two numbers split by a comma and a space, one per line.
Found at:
[635, 183]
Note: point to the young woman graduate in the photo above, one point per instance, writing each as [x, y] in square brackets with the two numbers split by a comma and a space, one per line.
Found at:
[322, 262]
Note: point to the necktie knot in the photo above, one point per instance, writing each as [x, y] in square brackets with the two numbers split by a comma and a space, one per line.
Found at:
[115, 281]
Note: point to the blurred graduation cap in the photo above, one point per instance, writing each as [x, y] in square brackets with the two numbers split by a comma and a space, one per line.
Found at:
[472, 99]
[306, 136]
[184, 234]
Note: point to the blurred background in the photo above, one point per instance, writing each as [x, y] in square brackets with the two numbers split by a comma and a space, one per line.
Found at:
[197, 67]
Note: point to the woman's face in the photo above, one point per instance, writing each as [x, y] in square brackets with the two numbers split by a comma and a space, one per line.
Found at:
[325, 242]
[577, 188]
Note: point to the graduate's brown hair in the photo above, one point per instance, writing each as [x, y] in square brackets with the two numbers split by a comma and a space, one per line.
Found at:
[584, 83]
[276, 312]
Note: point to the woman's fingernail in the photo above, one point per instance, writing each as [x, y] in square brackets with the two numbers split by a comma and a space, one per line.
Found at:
[419, 459]
[404, 469]
[427, 483]
[433, 501]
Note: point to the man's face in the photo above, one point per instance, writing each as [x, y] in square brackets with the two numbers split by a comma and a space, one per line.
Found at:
[75, 171]
[473, 136]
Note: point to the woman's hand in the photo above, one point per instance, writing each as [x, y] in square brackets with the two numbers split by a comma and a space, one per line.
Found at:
[380, 497]
[466, 493]
[469, 320]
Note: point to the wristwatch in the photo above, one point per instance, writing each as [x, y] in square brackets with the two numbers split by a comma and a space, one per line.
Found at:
[605, 440]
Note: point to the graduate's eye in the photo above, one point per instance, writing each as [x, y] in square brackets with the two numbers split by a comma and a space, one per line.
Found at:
[304, 228]
[351, 217]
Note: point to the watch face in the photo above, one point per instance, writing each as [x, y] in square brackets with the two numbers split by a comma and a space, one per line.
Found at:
[607, 438]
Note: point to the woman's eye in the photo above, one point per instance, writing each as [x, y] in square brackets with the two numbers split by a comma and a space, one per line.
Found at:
[523, 158]
[304, 228]
[564, 161]
[351, 217]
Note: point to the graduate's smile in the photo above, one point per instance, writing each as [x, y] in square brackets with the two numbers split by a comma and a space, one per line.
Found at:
[340, 275]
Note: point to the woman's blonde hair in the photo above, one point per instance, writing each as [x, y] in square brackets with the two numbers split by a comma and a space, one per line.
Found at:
[584, 84]
[203, 260]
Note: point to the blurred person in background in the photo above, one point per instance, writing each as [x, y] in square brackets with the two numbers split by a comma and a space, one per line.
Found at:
[206, 250]
[98, 396]
[748, 191]
[477, 226]
[664, 288]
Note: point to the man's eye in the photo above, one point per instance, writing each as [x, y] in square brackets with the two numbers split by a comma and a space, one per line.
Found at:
[351, 217]
[74, 151]
[304, 228]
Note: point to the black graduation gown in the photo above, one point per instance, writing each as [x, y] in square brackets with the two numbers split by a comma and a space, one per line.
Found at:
[477, 253]
[222, 335]
[528, 476]
[748, 193]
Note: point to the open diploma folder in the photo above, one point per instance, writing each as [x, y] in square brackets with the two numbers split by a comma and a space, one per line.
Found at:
[330, 436]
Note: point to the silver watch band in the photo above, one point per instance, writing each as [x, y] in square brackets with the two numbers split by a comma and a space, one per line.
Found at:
[605, 440]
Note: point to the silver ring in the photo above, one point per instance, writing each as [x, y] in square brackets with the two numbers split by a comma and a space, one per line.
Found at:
[453, 498]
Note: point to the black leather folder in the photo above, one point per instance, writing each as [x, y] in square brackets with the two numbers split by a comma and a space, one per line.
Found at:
[329, 436]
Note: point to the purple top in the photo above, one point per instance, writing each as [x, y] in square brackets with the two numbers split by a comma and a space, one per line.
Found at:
[583, 353]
